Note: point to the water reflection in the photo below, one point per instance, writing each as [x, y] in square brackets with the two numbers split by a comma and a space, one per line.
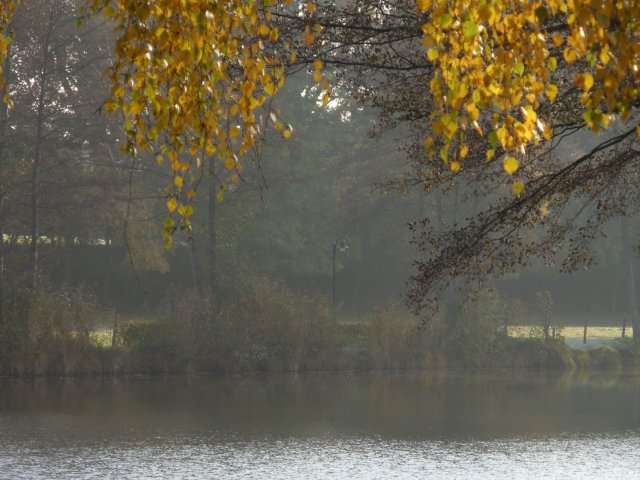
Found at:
[319, 426]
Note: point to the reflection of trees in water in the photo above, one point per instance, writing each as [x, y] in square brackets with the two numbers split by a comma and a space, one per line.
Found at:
[427, 405]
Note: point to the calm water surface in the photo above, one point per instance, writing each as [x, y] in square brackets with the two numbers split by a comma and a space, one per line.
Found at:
[410, 425]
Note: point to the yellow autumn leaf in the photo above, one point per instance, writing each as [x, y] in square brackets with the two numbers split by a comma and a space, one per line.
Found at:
[455, 166]
[551, 91]
[517, 187]
[510, 165]
[557, 40]
[570, 55]
[118, 91]
[185, 211]
[269, 89]
[502, 135]
[309, 38]
[463, 151]
[424, 5]
[172, 204]
[585, 81]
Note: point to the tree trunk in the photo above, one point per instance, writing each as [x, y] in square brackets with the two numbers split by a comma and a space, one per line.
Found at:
[37, 160]
[212, 237]
[4, 118]
[635, 313]
[630, 260]
[195, 277]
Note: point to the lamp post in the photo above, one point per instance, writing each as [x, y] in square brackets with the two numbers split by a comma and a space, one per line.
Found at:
[340, 245]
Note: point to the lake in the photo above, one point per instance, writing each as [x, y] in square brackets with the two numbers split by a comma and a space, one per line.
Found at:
[375, 426]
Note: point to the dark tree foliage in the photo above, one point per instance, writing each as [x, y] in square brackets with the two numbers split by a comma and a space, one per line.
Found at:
[373, 52]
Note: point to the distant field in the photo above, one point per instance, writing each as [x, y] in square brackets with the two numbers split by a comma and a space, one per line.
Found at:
[101, 337]
[525, 331]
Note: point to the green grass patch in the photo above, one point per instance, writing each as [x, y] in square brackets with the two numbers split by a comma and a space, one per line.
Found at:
[101, 338]
[530, 331]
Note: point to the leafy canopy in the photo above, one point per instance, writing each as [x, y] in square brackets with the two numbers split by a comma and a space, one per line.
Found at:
[495, 62]
[188, 75]
[7, 7]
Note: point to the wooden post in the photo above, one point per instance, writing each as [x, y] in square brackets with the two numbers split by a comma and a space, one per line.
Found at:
[624, 326]
[584, 336]
[114, 334]
[333, 284]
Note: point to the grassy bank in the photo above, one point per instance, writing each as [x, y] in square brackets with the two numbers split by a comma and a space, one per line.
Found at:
[159, 347]
[266, 328]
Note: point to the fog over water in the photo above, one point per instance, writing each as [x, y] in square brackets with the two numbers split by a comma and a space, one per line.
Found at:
[412, 425]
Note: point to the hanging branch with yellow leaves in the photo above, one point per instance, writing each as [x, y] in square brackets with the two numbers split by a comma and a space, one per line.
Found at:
[187, 78]
[495, 61]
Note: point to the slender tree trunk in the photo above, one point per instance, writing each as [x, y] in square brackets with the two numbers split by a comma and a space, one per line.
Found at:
[630, 260]
[4, 117]
[635, 314]
[453, 313]
[37, 160]
[195, 277]
[212, 237]
[35, 219]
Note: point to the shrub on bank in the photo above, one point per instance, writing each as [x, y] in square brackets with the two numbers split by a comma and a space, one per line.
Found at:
[50, 333]
[537, 354]
[605, 358]
[259, 325]
[267, 328]
[262, 327]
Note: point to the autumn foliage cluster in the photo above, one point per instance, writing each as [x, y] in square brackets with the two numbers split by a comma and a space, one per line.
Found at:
[189, 76]
[496, 70]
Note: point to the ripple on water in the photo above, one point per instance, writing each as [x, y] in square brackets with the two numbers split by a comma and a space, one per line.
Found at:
[412, 425]
[571, 456]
